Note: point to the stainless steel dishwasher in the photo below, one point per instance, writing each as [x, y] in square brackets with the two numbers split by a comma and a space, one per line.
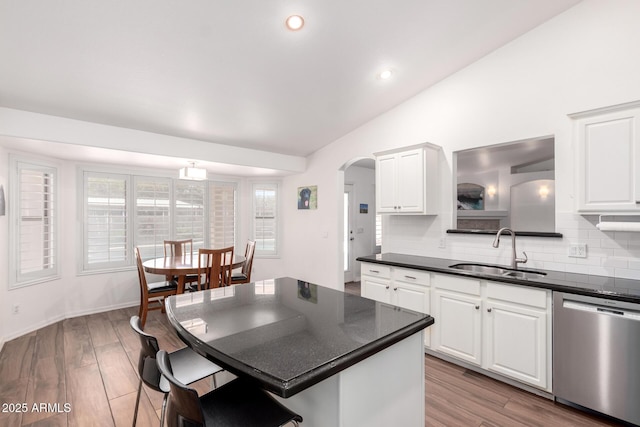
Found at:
[596, 354]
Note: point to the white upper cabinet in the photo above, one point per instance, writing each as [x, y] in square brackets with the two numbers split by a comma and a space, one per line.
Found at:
[407, 181]
[608, 144]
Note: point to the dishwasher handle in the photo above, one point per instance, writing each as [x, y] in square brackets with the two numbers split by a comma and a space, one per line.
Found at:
[603, 310]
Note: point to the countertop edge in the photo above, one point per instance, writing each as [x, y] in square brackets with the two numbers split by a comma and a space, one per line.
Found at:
[441, 265]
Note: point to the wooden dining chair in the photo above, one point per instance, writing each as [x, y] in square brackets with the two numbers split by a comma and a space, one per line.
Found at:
[213, 269]
[178, 247]
[244, 276]
[173, 248]
[236, 403]
[152, 295]
[188, 367]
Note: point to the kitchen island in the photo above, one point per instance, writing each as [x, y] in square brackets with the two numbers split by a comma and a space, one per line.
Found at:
[336, 359]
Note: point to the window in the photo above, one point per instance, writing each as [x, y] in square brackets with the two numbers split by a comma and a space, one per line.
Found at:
[122, 211]
[265, 218]
[34, 211]
[152, 215]
[378, 230]
[106, 222]
[222, 214]
[189, 211]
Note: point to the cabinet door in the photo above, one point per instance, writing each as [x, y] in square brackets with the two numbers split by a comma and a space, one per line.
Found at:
[386, 180]
[609, 149]
[410, 186]
[516, 342]
[416, 298]
[458, 325]
[376, 288]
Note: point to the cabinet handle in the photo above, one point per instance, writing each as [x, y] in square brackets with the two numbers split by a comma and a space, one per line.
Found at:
[477, 307]
[374, 271]
[488, 310]
[395, 289]
[387, 287]
[410, 277]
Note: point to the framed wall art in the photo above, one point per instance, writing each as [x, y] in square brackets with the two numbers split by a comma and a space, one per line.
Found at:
[308, 197]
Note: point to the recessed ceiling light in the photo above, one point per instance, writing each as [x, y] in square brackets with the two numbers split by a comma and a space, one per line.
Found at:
[294, 22]
[385, 74]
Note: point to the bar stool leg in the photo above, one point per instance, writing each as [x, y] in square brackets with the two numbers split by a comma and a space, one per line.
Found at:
[135, 413]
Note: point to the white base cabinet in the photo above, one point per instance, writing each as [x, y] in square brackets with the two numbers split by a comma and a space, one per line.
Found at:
[457, 330]
[498, 327]
[399, 287]
[517, 333]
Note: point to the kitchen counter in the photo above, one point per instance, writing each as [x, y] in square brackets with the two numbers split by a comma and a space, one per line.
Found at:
[583, 284]
[320, 349]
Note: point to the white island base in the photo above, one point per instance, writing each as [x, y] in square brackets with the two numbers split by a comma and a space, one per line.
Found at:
[386, 389]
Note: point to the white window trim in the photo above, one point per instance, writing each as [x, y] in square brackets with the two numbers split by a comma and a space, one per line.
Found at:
[14, 281]
[278, 245]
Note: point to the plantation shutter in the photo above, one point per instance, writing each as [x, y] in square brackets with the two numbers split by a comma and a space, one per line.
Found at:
[222, 214]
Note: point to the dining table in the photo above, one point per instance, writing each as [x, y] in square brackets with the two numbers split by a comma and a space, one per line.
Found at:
[184, 265]
[335, 358]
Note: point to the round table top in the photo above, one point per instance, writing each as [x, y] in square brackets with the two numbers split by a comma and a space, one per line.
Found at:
[182, 264]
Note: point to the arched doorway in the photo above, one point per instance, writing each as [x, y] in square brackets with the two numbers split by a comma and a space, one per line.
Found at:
[358, 215]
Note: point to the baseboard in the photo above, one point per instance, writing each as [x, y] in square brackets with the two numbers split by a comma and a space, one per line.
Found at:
[71, 315]
[48, 322]
[507, 380]
[34, 327]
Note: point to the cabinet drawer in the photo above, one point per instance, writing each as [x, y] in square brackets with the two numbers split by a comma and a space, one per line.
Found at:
[457, 284]
[376, 270]
[412, 276]
[518, 294]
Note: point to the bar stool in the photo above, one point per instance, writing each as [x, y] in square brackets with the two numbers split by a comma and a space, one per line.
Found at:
[236, 403]
[188, 365]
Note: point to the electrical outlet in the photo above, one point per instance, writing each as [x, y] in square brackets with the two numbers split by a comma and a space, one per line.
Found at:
[443, 243]
[578, 250]
[16, 309]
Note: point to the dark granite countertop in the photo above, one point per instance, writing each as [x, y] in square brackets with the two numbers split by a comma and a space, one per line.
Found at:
[285, 333]
[583, 284]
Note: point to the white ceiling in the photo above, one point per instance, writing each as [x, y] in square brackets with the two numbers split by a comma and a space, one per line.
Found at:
[229, 72]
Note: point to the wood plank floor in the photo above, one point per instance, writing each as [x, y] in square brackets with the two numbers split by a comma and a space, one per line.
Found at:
[90, 364]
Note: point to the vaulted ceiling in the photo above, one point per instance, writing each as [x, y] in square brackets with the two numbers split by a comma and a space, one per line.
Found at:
[230, 72]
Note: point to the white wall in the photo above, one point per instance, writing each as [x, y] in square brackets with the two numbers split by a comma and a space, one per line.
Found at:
[5, 307]
[69, 295]
[583, 59]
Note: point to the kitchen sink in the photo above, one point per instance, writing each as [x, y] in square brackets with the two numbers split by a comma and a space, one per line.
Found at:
[495, 270]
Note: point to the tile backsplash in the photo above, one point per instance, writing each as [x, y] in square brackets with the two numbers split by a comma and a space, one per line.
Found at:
[609, 253]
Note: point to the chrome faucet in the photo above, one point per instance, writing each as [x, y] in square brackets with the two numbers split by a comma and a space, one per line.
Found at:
[514, 259]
